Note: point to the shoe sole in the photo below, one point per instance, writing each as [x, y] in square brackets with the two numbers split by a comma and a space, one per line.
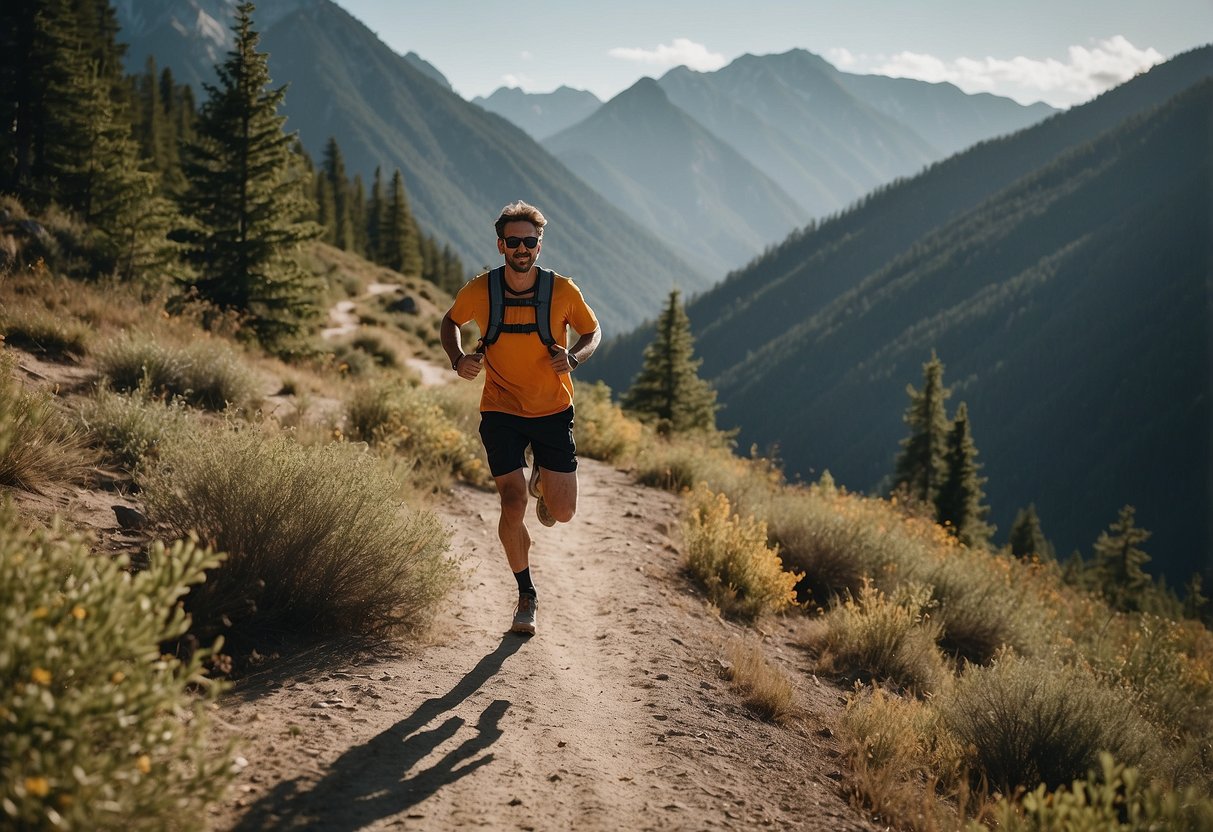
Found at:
[533, 485]
[545, 516]
[526, 629]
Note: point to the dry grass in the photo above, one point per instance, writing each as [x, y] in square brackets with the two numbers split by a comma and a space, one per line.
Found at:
[39, 444]
[603, 431]
[207, 372]
[315, 537]
[1026, 722]
[729, 555]
[39, 331]
[766, 690]
[880, 638]
[426, 433]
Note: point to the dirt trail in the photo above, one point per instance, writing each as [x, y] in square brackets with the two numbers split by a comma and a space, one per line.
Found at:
[613, 717]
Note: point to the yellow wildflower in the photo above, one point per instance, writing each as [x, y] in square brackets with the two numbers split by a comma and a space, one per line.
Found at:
[117, 677]
[79, 612]
[40, 612]
[37, 786]
[144, 764]
[41, 676]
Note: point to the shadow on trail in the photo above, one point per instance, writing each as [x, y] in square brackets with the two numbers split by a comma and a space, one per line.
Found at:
[376, 780]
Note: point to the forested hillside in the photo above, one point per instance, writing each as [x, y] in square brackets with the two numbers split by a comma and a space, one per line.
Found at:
[460, 163]
[1058, 276]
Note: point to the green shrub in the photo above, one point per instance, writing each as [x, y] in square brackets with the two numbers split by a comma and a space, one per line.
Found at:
[886, 639]
[38, 444]
[1027, 722]
[380, 353]
[98, 730]
[130, 428]
[983, 607]
[42, 332]
[315, 536]
[415, 425]
[207, 373]
[1115, 800]
[603, 431]
[729, 555]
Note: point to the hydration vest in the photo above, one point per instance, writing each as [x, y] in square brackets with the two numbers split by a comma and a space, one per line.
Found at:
[541, 302]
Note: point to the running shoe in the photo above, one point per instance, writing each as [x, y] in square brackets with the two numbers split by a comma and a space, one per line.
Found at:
[524, 614]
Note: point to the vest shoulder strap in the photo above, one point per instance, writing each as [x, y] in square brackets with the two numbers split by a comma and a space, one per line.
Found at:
[541, 302]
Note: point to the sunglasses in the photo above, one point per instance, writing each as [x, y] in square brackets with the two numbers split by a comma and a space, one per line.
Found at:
[514, 242]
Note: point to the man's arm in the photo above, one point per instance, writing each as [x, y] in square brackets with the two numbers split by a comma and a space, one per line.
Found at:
[564, 361]
[586, 345]
[468, 366]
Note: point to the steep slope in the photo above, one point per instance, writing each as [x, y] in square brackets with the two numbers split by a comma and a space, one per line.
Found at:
[948, 118]
[665, 170]
[1072, 312]
[540, 114]
[789, 115]
[831, 393]
[460, 163]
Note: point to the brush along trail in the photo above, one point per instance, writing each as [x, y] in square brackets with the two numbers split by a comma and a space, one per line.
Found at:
[614, 716]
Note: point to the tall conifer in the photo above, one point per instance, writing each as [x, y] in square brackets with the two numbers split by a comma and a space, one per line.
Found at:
[960, 502]
[376, 216]
[668, 389]
[246, 199]
[921, 466]
[333, 172]
[1027, 539]
[1119, 560]
[400, 239]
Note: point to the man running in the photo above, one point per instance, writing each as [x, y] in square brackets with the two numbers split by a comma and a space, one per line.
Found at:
[528, 394]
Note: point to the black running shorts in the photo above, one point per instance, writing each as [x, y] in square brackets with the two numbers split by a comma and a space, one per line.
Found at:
[506, 436]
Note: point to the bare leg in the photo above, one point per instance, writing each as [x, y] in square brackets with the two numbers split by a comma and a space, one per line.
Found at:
[560, 493]
[515, 538]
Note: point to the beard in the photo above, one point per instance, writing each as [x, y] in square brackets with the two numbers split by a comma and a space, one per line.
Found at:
[521, 262]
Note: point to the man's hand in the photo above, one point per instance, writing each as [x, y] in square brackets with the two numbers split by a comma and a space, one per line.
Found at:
[562, 361]
[470, 365]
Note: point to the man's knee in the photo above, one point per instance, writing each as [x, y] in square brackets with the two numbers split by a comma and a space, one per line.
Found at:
[513, 503]
[562, 514]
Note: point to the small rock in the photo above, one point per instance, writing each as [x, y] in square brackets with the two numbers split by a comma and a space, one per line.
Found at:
[129, 518]
[516, 802]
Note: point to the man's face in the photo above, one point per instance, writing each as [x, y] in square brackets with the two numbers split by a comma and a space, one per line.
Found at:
[519, 257]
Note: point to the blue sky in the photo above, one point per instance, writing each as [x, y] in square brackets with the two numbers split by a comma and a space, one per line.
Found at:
[1063, 52]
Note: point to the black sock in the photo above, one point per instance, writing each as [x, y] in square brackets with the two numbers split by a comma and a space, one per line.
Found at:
[525, 584]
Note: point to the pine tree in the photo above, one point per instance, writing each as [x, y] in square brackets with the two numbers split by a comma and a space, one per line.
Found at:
[115, 197]
[43, 69]
[376, 216]
[921, 466]
[959, 504]
[1119, 561]
[358, 216]
[342, 223]
[399, 236]
[1027, 538]
[246, 200]
[668, 389]
[1196, 604]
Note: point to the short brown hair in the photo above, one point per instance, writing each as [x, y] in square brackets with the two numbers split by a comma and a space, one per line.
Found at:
[520, 211]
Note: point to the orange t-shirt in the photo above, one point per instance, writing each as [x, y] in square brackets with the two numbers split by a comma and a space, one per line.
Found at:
[519, 378]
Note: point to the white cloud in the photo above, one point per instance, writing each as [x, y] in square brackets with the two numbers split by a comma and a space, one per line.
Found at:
[841, 58]
[1082, 76]
[520, 81]
[681, 52]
